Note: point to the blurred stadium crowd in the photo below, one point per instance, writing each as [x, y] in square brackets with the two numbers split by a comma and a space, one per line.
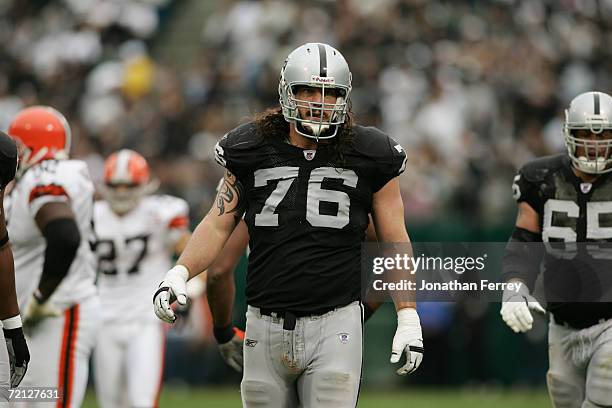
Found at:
[471, 89]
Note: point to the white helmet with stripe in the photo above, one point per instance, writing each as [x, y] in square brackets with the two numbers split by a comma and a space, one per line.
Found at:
[590, 112]
[315, 65]
[127, 179]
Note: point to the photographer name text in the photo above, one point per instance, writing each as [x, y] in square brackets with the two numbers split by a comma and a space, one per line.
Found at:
[453, 285]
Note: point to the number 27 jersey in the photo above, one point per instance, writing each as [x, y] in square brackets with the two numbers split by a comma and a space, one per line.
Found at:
[307, 214]
[134, 252]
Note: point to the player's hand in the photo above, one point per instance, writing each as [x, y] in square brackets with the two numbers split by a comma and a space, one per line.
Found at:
[409, 339]
[38, 310]
[172, 288]
[19, 355]
[516, 309]
[231, 342]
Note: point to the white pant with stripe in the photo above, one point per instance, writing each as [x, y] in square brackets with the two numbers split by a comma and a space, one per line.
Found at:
[60, 348]
[129, 364]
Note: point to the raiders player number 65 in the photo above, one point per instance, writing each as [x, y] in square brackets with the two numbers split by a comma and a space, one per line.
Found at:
[564, 224]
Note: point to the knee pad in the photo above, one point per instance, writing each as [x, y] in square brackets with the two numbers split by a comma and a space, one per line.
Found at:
[335, 389]
[563, 393]
[598, 391]
[256, 393]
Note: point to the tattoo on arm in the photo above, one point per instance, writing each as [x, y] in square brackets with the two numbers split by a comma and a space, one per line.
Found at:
[230, 198]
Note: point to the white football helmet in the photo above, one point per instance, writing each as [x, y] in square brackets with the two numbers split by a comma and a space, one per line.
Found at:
[315, 65]
[127, 179]
[590, 111]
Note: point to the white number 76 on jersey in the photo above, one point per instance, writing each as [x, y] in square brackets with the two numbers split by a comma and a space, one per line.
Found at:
[287, 175]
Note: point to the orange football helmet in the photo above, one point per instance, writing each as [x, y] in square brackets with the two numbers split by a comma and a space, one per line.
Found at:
[42, 133]
[127, 179]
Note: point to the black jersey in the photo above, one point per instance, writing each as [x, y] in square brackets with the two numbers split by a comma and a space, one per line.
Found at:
[576, 224]
[306, 214]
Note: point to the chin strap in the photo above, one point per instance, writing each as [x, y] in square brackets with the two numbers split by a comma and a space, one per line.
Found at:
[301, 129]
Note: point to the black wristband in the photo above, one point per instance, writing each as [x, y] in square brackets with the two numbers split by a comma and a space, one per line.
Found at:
[523, 235]
[223, 334]
[13, 333]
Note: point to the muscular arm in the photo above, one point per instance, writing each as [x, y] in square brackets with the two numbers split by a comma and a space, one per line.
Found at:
[214, 230]
[57, 223]
[523, 256]
[220, 280]
[371, 231]
[8, 296]
[370, 306]
[388, 217]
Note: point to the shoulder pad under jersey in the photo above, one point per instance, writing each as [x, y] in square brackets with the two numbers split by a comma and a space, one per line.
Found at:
[537, 170]
[372, 142]
[242, 137]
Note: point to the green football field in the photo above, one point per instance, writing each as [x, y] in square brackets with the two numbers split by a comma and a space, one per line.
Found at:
[431, 398]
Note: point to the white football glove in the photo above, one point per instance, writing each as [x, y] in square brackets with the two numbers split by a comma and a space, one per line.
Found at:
[516, 308]
[409, 339]
[173, 287]
[36, 311]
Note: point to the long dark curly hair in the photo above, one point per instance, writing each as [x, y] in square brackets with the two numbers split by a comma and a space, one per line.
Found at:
[272, 124]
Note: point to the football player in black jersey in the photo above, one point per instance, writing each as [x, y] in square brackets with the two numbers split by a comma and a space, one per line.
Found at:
[563, 199]
[14, 359]
[305, 177]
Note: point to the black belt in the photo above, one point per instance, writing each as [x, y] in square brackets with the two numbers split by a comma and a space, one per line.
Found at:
[582, 323]
[290, 318]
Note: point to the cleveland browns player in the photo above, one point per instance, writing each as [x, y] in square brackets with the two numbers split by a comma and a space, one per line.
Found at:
[305, 177]
[49, 215]
[137, 234]
[563, 225]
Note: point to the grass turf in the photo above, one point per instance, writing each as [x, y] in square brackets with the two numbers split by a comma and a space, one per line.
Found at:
[413, 398]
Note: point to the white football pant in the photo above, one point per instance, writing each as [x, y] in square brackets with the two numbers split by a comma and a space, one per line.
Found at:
[60, 348]
[579, 374]
[316, 365]
[129, 364]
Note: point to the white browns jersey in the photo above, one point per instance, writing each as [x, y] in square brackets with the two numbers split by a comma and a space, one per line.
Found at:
[135, 251]
[66, 181]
